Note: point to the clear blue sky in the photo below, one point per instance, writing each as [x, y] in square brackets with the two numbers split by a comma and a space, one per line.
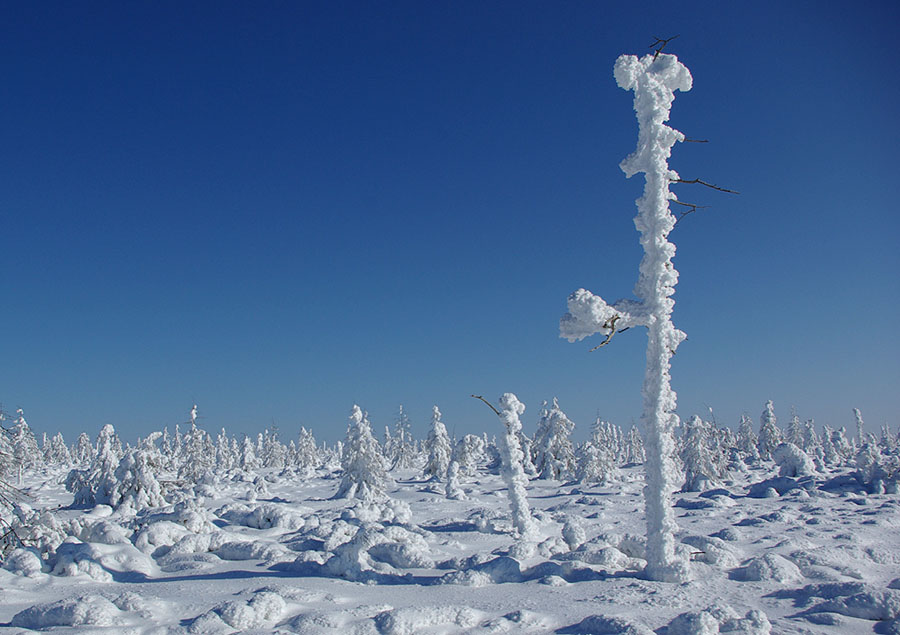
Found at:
[279, 209]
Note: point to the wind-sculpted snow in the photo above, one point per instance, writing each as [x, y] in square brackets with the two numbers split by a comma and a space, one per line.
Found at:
[818, 558]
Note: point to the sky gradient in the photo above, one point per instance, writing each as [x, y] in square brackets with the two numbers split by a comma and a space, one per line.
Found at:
[277, 210]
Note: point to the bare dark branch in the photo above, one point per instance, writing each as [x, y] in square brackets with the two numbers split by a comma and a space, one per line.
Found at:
[489, 404]
[611, 325]
[709, 185]
[686, 140]
[660, 44]
[693, 208]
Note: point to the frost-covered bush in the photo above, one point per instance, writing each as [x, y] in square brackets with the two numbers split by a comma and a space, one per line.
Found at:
[793, 461]
[554, 456]
[365, 476]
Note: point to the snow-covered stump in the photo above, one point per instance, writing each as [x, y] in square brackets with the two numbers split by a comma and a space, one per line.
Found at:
[653, 78]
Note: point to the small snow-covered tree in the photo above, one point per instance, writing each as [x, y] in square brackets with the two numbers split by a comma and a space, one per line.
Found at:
[697, 456]
[136, 483]
[24, 445]
[365, 476]
[634, 447]
[770, 436]
[469, 452]
[795, 431]
[654, 80]
[248, 460]
[308, 458]
[83, 451]
[225, 458]
[94, 485]
[595, 463]
[747, 441]
[438, 447]
[404, 453]
[554, 456]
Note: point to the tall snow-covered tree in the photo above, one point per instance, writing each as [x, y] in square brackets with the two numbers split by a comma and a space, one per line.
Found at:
[554, 455]
[438, 447]
[365, 476]
[654, 80]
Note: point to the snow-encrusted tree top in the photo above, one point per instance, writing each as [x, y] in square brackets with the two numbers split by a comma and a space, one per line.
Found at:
[654, 80]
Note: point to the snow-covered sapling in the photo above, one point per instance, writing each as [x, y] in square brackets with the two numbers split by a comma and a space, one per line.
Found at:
[654, 80]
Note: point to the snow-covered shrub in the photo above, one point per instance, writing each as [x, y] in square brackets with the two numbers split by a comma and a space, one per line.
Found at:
[793, 461]
[364, 476]
[554, 456]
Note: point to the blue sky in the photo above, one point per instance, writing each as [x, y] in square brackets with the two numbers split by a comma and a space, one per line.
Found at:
[276, 210]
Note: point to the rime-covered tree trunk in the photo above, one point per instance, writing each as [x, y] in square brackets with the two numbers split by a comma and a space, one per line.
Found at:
[653, 78]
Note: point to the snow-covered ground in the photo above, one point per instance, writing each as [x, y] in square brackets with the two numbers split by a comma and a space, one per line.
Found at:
[240, 553]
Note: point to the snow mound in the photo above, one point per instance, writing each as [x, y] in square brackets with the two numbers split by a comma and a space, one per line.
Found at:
[720, 619]
[262, 608]
[88, 610]
[23, 562]
[77, 558]
[869, 605]
[265, 516]
[770, 567]
[411, 620]
[714, 551]
[600, 625]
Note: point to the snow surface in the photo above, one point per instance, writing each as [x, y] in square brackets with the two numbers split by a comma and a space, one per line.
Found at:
[821, 557]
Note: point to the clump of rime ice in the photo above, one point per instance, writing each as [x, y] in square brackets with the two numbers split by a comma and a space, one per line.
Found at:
[654, 80]
[512, 469]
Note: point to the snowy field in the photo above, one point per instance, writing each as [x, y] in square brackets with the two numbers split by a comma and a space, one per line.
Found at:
[269, 549]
